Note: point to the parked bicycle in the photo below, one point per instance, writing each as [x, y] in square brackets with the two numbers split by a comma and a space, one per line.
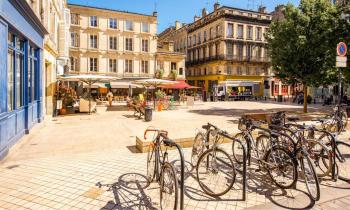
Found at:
[277, 160]
[159, 167]
[216, 173]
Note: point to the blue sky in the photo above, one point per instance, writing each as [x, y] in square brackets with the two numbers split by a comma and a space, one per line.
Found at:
[182, 10]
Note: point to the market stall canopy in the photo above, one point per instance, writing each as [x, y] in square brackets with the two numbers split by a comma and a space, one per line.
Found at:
[124, 85]
[87, 78]
[179, 85]
[154, 82]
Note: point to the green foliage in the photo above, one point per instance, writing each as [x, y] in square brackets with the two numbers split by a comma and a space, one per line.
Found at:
[159, 74]
[173, 74]
[160, 94]
[302, 45]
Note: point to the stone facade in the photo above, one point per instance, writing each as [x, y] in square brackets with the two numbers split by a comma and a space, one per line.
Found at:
[55, 17]
[227, 44]
[112, 42]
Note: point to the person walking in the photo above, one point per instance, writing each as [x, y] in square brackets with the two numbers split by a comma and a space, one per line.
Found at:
[110, 97]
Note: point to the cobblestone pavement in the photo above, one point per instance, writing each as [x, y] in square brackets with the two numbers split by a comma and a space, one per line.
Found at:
[70, 164]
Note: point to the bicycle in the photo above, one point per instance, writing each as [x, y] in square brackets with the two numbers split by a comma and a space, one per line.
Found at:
[216, 173]
[302, 155]
[278, 161]
[160, 168]
[337, 121]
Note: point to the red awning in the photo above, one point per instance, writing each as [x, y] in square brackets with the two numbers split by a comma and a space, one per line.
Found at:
[179, 85]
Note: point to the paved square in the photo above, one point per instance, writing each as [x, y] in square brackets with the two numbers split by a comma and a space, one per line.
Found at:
[89, 162]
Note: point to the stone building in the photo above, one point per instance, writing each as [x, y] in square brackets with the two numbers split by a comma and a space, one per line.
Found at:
[112, 42]
[55, 16]
[226, 45]
[172, 63]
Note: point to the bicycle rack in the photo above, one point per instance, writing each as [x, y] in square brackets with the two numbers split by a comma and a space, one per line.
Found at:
[244, 170]
[182, 179]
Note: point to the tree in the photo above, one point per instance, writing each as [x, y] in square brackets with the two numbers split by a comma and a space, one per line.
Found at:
[302, 44]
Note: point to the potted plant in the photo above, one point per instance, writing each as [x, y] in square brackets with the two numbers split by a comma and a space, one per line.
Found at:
[159, 96]
[159, 74]
[173, 75]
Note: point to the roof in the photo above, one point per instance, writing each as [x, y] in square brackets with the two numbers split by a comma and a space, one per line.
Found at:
[108, 9]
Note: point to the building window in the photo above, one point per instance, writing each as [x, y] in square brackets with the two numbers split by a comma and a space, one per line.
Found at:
[113, 65]
[75, 39]
[250, 32]
[240, 50]
[74, 64]
[93, 64]
[240, 31]
[258, 33]
[145, 27]
[239, 70]
[10, 75]
[19, 70]
[93, 41]
[218, 31]
[229, 70]
[229, 49]
[205, 36]
[128, 66]
[128, 44]
[230, 30]
[144, 45]
[181, 71]
[93, 21]
[32, 72]
[211, 35]
[113, 43]
[173, 66]
[160, 65]
[113, 23]
[194, 40]
[144, 67]
[199, 38]
[129, 26]
[75, 19]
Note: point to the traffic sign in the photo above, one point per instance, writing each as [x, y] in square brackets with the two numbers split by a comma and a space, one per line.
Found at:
[342, 59]
[342, 49]
[340, 64]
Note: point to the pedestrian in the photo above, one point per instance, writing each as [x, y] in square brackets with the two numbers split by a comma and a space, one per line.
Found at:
[110, 97]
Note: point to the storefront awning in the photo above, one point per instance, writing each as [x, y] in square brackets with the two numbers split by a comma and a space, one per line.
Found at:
[96, 85]
[239, 83]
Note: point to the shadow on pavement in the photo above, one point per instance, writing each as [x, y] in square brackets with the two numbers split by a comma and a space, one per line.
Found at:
[129, 193]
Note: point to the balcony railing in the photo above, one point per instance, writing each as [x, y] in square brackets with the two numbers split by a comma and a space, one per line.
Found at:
[235, 58]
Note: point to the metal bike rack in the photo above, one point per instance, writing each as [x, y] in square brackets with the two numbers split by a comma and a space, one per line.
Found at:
[182, 160]
[244, 170]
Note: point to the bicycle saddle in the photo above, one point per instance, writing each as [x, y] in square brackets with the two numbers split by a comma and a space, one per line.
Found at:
[206, 127]
[293, 119]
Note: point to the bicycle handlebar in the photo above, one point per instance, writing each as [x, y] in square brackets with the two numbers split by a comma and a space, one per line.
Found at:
[155, 130]
[209, 125]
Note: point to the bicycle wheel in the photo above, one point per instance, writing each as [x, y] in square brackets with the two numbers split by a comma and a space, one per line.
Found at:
[281, 167]
[168, 187]
[310, 177]
[321, 157]
[237, 149]
[151, 163]
[198, 148]
[262, 144]
[343, 160]
[215, 172]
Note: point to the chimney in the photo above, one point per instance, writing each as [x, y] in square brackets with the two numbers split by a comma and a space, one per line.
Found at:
[204, 12]
[216, 6]
[155, 14]
[262, 9]
[196, 18]
[177, 25]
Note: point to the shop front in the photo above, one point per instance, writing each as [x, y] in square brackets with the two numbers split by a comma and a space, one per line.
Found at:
[21, 44]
